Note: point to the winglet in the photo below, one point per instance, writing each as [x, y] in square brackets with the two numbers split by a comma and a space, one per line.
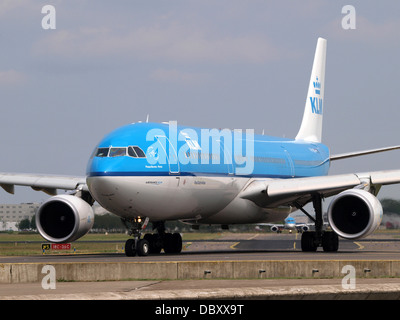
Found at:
[311, 126]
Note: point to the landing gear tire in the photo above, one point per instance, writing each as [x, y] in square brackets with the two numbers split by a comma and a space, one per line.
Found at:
[308, 243]
[172, 243]
[155, 242]
[177, 241]
[143, 248]
[330, 241]
[130, 248]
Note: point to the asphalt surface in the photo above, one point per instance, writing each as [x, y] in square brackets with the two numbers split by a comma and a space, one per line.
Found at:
[257, 246]
[230, 247]
[203, 289]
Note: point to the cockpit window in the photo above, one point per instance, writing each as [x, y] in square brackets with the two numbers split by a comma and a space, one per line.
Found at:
[139, 152]
[102, 152]
[117, 152]
[132, 151]
[136, 152]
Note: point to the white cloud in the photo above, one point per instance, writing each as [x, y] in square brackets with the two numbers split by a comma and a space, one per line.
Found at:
[11, 77]
[174, 75]
[367, 31]
[7, 6]
[384, 31]
[173, 42]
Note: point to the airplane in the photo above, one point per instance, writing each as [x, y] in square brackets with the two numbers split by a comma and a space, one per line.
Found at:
[289, 224]
[154, 172]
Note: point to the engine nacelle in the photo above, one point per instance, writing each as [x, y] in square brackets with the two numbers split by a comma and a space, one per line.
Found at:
[274, 229]
[64, 218]
[355, 214]
[305, 228]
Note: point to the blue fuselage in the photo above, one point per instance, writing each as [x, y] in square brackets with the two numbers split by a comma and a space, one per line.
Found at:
[164, 171]
[189, 154]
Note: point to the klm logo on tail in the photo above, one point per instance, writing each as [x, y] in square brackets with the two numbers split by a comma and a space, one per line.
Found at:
[317, 86]
[316, 102]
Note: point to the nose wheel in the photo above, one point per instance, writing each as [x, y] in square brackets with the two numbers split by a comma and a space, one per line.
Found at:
[135, 247]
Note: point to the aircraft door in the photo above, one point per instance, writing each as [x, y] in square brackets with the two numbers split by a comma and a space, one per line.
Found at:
[226, 158]
[290, 164]
[171, 154]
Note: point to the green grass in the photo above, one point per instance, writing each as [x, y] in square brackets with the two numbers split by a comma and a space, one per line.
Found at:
[19, 244]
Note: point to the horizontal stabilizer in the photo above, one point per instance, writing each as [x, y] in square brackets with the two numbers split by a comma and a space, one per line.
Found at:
[361, 153]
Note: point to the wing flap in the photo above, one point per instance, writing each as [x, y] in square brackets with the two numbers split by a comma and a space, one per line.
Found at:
[321, 185]
[269, 193]
[385, 177]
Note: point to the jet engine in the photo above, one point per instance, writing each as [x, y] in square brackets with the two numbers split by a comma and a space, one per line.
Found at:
[274, 229]
[354, 214]
[64, 218]
[305, 228]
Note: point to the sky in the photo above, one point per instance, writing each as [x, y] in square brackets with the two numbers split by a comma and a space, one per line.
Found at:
[214, 64]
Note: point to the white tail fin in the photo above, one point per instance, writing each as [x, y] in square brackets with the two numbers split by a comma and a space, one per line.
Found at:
[311, 126]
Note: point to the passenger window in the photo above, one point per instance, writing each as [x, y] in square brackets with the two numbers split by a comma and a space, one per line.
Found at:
[117, 152]
[139, 152]
[102, 152]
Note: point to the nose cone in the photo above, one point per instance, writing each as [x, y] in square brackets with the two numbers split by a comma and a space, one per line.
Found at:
[105, 190]
[108, 166]
[98, 167]
[101, 187]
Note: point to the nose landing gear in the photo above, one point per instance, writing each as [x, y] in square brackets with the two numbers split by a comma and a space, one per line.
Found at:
[134, 246]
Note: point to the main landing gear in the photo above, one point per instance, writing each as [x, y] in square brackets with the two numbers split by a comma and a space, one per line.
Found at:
[151, 243]
[311, 240]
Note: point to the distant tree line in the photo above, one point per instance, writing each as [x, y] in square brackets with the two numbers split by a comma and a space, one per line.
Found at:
[391, 205]
[112, 224]
[102, 223]
[27, 224]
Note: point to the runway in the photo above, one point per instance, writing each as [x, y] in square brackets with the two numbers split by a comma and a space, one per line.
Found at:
[241, 247]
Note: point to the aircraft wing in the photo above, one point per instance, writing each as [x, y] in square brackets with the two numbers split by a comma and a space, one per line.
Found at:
[299, 191]
[281, 226]
[46, 183]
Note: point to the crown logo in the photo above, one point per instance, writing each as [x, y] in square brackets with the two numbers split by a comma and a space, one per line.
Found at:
[317, 86]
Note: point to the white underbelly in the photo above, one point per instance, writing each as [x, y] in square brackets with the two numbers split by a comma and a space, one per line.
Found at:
[165, 197]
